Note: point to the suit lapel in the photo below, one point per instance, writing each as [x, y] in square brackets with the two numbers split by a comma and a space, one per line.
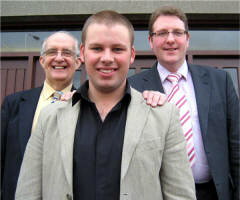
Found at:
[67, 120]
[27, 109]
[202, 89]
[152, 80]
[136, 117]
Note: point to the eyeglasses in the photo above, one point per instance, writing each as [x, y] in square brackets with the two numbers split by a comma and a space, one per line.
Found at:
[66, 53]
[164, 33]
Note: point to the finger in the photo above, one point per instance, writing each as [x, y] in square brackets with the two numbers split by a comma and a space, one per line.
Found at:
[149, 98]
[162, 100]
[155, 99]
[145, 94]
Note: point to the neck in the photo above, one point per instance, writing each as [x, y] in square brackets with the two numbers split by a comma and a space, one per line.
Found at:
[172, 67]
[105, 101]
[58, 86]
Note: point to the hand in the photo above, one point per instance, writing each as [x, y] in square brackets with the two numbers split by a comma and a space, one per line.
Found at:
[154, 98]
[68, 95]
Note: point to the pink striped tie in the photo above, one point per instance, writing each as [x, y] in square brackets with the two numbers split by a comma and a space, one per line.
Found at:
[177, 97]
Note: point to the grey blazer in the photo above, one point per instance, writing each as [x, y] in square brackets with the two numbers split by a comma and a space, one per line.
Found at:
[154, 161]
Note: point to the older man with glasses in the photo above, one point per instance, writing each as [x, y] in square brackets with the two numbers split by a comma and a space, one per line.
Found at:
[19, 112]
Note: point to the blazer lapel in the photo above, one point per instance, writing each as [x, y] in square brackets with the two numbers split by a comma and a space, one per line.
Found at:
[27, 109]
[136, 117]
[202, 92]
[152, 80]
[67, 120]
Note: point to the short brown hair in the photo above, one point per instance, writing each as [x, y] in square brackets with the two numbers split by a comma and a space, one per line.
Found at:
[167, 11]
[108, 17]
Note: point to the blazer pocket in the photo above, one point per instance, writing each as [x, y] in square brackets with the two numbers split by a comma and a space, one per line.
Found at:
[149, 145]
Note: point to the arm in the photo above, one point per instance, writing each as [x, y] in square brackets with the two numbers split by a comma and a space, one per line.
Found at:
[175, 175]
[29, 186]
[4, 123]
[233, 123]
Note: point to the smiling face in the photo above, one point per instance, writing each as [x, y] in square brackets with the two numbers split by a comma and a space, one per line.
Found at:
[59, 66]
[170, 51]
[108, 54]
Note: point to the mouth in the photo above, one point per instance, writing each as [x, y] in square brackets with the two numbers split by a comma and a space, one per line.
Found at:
[107, 71]
[170, 49]
[59, 67]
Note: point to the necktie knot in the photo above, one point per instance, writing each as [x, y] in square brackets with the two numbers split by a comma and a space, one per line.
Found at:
[56, 96]
[174, 77]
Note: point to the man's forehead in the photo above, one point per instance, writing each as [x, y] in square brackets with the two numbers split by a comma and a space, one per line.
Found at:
[57, 40]
[116, 27]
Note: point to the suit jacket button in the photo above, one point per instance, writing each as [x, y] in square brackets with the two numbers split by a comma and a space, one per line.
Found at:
[69, 197]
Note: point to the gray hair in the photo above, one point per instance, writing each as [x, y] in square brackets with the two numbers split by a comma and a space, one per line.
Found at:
[76, 46]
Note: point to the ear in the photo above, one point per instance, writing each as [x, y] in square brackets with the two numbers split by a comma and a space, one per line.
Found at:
[42, 60]
[188, 38]
[82, 49]
[150, 41]
[78, 62]
[133, 54]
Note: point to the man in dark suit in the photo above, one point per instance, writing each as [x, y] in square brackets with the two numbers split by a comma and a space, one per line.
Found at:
[19, 112]
[214, 105]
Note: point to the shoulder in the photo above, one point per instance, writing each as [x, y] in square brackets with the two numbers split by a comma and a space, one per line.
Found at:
[211, 71]
[159, 111]
[141, 75]
[13, 100]
[22, 94]
[58, 108]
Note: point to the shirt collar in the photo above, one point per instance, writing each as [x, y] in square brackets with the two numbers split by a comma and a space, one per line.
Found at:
[82, 93]
[163, 72]
[47, 90]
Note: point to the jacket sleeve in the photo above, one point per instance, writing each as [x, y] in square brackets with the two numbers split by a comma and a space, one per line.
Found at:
[176, 175]
[4, 122]
[233, 126]
[29, 186]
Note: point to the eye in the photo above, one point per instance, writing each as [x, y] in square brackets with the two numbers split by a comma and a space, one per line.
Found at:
[96, 48]
[67, 53]
[51, 52]
[118, 49]
[178, 33]
[162, 33]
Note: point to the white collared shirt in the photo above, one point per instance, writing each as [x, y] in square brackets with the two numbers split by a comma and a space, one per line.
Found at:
[201, 171]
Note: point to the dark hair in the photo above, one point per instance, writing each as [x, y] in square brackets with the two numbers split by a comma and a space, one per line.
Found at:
[167, 11]
[109, 18]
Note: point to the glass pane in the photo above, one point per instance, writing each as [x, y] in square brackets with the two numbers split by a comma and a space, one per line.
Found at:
[26, 41]
[141, 41]
[214, 40]
[199, 40]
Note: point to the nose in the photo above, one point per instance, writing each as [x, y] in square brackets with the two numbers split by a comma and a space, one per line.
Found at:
[59, 56]
[107, 57]
[170, 38]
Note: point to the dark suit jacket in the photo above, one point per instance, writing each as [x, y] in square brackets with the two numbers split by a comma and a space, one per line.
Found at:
[17, 113]
[218, 111]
